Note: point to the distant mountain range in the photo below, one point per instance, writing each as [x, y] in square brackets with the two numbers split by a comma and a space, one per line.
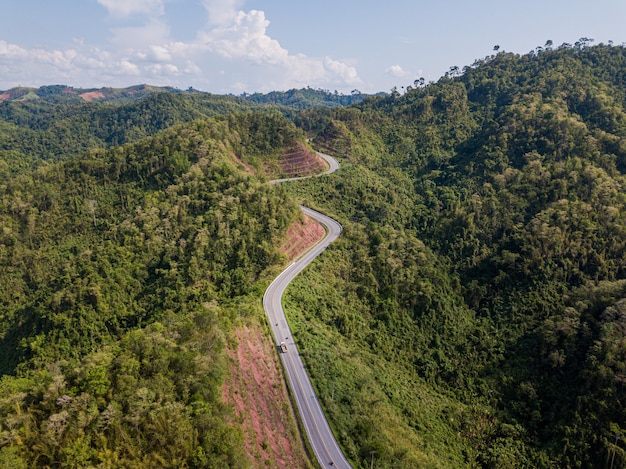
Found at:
[63, 93]
[296, 98]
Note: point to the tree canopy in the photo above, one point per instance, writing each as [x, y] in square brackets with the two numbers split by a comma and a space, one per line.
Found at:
[123, 272]
[485, 249]
[472, 314]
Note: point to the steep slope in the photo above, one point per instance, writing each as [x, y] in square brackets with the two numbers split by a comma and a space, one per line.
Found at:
[471, 315]
[256, 389]
[124, 274]
[300, 160]
[484, 253]
[255, 385]
[42, 129]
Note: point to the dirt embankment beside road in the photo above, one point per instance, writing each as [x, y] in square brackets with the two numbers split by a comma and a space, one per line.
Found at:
[301, 236]
[256, 387]
[300, 161]
[257, 391]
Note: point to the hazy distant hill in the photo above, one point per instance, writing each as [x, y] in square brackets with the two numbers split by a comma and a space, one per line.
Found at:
[296, 98]
[52, 122]
[306, 98]
[62, 123]
[63, 93]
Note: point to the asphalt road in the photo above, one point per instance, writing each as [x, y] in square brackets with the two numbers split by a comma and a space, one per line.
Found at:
[320, 436]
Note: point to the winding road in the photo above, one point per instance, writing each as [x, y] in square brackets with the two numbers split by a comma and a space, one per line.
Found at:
[333, 165]
[321, 438]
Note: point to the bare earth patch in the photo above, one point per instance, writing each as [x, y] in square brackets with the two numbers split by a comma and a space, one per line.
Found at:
[300, 160]
[301, 236]
[255, 386]
[257, 390]
[92, 95]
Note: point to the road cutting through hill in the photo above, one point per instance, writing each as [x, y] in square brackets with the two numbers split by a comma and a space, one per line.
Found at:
[319, 433]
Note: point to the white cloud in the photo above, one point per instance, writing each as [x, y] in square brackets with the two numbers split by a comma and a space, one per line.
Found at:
[221, 12]
[95, 60]
[346, 73]
[163, 70]
[126, 67]
[153, 33]
[124, 8]
[160, 54]
[190, 68]
[244, 37]
[233, 52]
[397, 71]
[12, 53]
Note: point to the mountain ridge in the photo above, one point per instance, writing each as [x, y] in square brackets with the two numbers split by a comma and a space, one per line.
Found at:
[471, 314]
[295, 98]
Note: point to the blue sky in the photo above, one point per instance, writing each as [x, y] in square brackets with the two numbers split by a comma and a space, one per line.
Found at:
[232, 46]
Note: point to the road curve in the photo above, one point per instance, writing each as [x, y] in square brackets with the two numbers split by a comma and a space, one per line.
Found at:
[333, 166]
[321, 438]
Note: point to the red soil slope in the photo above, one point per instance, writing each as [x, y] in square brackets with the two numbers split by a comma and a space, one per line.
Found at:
[92, 95]
[300, 160]
[301, 236]
[256, 387]
[257, 390]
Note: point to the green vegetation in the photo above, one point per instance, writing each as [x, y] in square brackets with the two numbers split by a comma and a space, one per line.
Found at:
[39, 130]
[56, 122]
[306, 98]
[123, 272]
[472, 314]
[477, 292]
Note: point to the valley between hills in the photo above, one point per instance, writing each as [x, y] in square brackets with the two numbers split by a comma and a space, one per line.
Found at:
[472, 314]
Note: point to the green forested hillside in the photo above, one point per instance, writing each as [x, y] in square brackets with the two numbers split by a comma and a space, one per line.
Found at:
[123, 271]
[484, 261]
[39, 130]
[472, 314]
[69, 95]
[306, 98]
[58, 123]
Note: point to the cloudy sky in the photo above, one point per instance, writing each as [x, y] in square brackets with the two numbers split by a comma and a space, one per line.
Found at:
[232, 46]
